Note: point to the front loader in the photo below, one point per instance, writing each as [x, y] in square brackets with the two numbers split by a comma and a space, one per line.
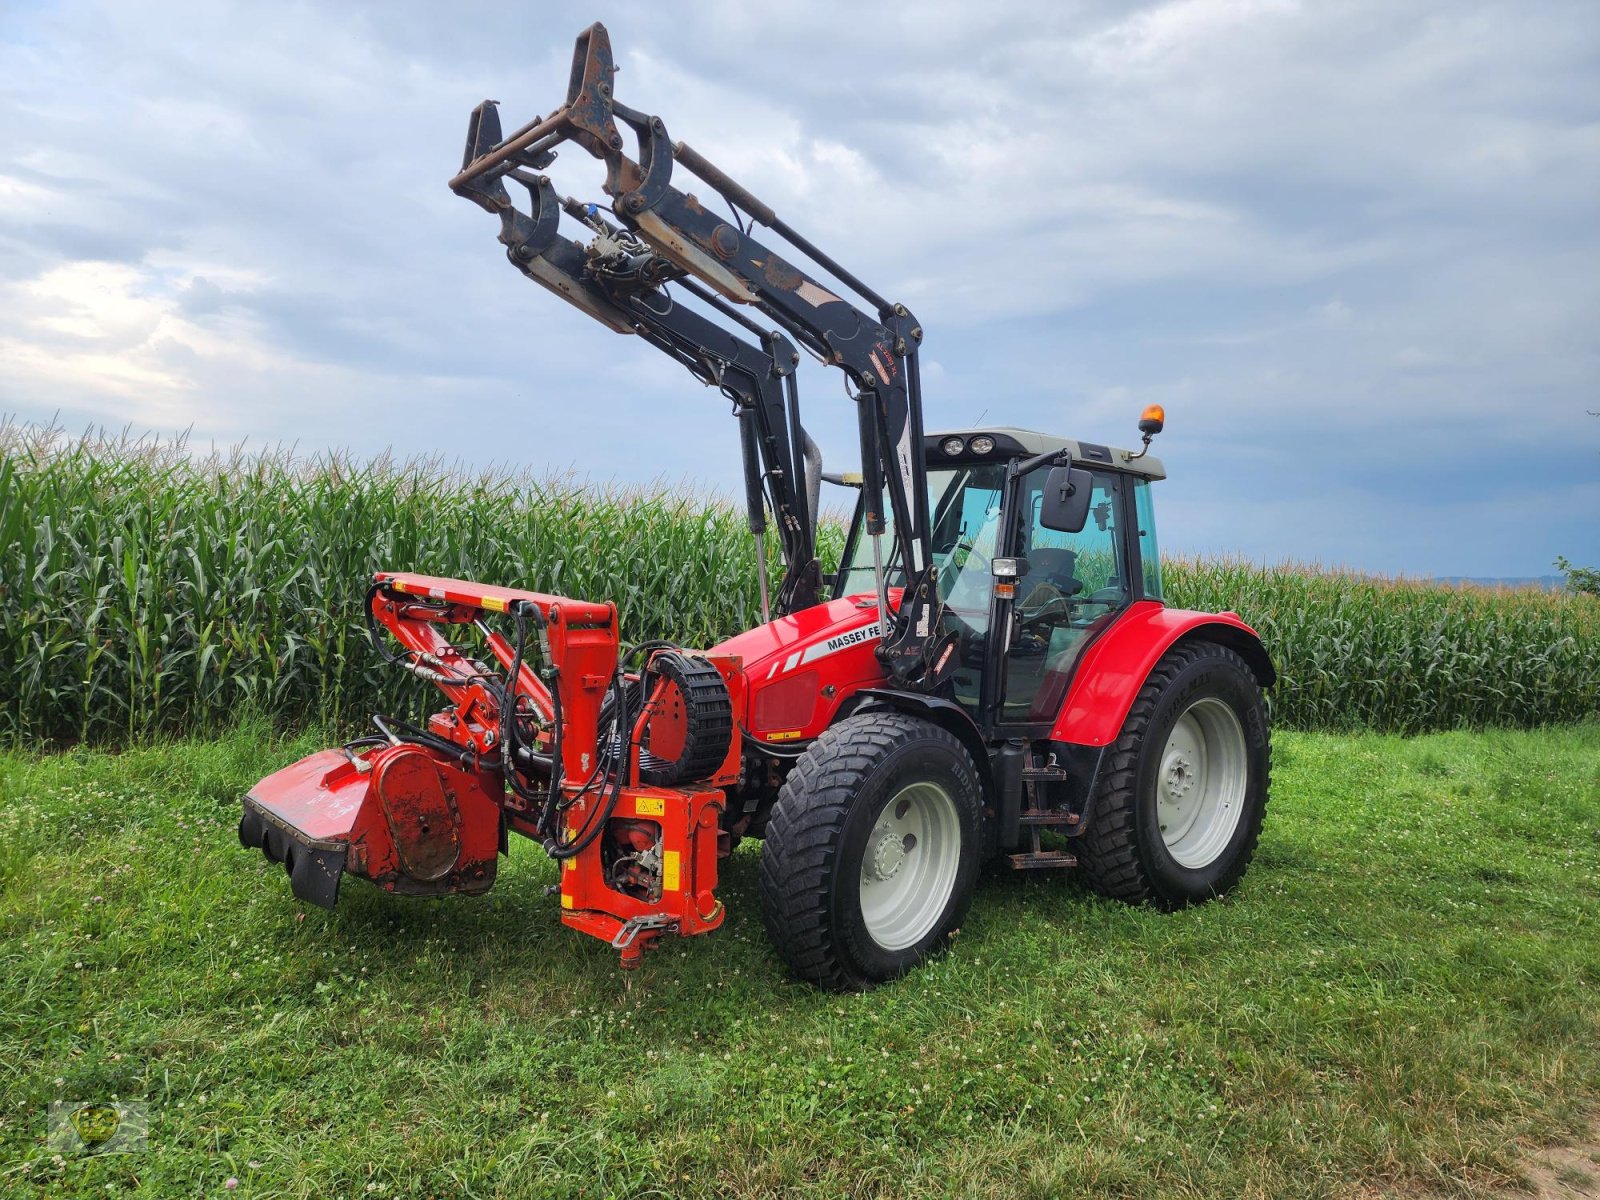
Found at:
[990, 672]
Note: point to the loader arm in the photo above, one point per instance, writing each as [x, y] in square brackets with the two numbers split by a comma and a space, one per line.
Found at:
[620, 282]
[875, 344]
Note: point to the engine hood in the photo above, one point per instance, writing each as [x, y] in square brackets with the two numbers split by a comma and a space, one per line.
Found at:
[806, 636]
[801, 667]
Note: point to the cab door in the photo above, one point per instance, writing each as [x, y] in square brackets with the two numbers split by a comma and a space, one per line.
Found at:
[1075, 586]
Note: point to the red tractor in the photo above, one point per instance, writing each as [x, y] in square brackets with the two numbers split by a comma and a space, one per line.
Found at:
[992, 665]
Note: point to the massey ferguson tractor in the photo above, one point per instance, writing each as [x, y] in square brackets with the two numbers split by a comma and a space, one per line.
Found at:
[989, 673]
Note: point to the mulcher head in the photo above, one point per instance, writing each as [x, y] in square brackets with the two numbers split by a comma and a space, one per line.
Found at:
[633, 814]
[395, 815]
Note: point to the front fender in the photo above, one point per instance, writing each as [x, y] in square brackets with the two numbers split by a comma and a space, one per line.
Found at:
[946, 713]
[1116, 665]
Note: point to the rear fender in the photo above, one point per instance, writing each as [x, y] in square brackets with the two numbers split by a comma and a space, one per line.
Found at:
[1115, 667]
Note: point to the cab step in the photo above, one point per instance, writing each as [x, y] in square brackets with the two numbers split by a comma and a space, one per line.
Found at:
[1046, 816]
[1042, 860]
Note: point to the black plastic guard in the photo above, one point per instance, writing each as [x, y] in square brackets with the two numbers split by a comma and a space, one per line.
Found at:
[314, 868]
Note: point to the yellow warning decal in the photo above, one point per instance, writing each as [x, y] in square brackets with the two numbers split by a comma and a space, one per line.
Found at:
[788, 735]
[566, 900]
[493, 604]
[670, 872]
[572, 864]
[650, 806]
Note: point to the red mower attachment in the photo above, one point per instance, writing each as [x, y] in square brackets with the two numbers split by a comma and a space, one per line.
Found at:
[616, 772]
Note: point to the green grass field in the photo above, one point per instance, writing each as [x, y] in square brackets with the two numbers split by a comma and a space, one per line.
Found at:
[1400, 997]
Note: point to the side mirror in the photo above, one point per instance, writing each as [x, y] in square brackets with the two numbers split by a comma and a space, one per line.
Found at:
[1065, 506]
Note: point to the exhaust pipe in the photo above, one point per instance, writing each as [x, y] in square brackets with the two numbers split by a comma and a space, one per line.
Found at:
[813, 469]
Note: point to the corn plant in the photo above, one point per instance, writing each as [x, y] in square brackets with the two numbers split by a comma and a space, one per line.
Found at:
[146, 589]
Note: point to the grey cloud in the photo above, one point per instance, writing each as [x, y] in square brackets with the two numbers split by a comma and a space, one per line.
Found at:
[1324, 235]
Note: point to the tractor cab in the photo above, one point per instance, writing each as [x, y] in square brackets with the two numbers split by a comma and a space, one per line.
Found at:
[1022, 600]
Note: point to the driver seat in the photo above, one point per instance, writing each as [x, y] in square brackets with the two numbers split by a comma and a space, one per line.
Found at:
[1052, 568]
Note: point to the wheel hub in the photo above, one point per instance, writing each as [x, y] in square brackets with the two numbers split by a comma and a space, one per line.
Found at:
[1178, 777]
[889, 855]
[1200, 788]
[909, 865]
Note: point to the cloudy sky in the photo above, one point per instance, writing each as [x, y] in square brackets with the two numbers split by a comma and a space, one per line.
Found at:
[1354, 248]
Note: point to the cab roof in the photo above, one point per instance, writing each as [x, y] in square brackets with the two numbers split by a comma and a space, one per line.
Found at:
[1010, 442]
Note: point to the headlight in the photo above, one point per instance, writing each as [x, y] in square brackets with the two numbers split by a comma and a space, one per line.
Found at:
[952, 446]
[982, 445]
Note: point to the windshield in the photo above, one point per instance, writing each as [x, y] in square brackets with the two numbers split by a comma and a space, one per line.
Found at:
[1072, 584]
[964, 508]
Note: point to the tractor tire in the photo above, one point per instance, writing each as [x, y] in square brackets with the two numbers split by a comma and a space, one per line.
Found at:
[872, 850]
[1183, 790]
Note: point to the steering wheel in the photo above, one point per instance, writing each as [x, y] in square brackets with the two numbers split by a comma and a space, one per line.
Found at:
[1057, 610]
[956, 568]
[1106, 597]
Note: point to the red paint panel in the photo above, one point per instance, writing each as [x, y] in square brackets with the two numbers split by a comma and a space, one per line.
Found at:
[1114, 669]
[321, 795]
[787, 703]
[760, 646]
[772, 654]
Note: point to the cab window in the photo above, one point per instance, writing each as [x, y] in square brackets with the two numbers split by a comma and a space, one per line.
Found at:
[1149, 552]
[1075, 585]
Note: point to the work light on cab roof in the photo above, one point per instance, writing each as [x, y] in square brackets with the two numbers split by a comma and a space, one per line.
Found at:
[989, 670]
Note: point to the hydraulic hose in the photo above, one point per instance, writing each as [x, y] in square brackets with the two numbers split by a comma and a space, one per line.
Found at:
[509, 736]
[553, 845]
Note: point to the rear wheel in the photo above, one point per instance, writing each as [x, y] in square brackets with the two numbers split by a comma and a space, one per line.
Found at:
[872, 850]
[1183, 790]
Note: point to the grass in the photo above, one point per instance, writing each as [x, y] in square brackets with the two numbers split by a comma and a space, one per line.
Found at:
[1403, 988]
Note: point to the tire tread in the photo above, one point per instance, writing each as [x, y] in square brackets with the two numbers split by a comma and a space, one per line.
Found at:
[1108, 852]
[806, 829]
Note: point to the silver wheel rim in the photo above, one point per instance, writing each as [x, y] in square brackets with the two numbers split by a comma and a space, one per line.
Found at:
[909, 869]
[1201, 783]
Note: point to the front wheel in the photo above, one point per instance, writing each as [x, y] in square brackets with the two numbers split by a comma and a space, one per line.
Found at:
[1183, 790]
[871, 853]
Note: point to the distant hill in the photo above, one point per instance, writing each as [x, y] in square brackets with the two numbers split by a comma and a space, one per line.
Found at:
[1550, 583]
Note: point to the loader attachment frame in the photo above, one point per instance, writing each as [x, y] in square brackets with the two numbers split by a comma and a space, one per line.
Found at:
[875, 342]
[619, 281]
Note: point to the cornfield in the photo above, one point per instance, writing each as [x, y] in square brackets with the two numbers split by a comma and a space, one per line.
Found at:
[145, 590]
[1406, 656]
